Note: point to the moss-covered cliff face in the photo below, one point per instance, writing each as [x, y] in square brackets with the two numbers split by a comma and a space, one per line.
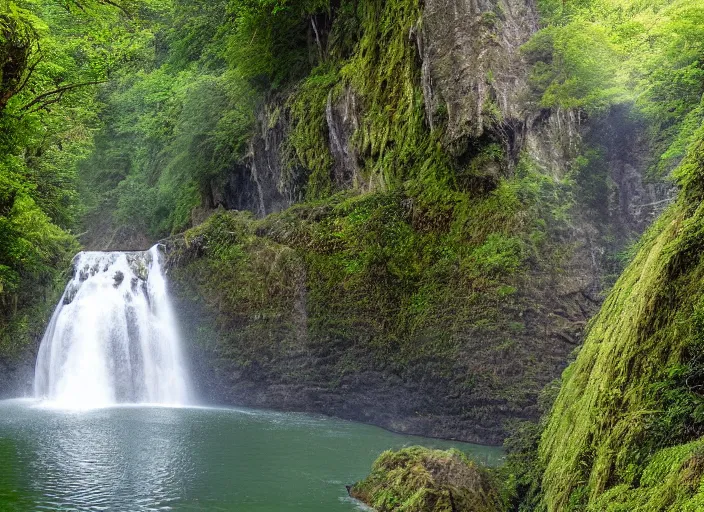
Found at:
[625, 431]
[380, 308]
[427, 240]
[351, 307]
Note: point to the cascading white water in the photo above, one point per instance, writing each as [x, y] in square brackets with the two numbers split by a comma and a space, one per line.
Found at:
[113, 337]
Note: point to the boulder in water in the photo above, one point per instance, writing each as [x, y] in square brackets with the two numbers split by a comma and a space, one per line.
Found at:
[418, 479]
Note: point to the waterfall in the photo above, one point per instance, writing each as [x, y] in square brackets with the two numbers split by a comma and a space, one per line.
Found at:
[113, 336]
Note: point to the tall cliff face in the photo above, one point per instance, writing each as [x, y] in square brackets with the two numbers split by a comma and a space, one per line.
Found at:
[264, 182]
[453, 241]
[626, 430]
[467, 62]
[464, 58]
[471, 64]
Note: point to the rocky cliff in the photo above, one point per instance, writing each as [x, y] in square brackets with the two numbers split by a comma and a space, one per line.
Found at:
[453, 240]
[625, 431]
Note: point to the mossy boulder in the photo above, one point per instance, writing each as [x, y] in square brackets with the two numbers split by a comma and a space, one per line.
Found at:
[418, 479]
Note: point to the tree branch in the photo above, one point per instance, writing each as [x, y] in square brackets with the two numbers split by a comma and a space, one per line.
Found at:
[60, 91]
[45, 104]
[29, 73]
[111, 3]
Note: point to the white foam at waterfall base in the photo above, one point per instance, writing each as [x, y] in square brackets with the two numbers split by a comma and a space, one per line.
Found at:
[113, 338]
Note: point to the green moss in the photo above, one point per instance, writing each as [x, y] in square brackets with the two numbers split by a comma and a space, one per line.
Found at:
[498, 255]
[248, 282]
[417, 479]
[308, 138]
[671, 481]
[634, 389]
[384, 71]
[389, 282]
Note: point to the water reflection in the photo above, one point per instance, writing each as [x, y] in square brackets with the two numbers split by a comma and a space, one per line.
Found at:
[91, 461]
[139, 459]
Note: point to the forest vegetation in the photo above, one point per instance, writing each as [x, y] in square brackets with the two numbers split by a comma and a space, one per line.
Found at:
[341, 221]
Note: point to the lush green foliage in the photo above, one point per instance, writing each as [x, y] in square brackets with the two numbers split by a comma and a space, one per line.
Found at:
[51, 58]
[181, 115]
[593, 54]
[166, 137]
[173, 118]
[634, 391]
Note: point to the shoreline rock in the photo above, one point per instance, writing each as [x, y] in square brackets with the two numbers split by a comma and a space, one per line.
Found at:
[418, 479]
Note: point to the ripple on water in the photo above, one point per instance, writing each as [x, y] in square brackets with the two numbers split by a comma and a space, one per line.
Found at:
[147, 458]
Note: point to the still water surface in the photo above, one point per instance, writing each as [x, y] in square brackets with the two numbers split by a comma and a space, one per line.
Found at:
[158, 458]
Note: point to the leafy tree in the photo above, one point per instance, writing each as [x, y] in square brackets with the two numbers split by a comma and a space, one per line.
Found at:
[53, 55]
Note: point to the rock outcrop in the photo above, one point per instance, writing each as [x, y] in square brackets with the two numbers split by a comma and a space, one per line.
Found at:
[417, 479]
